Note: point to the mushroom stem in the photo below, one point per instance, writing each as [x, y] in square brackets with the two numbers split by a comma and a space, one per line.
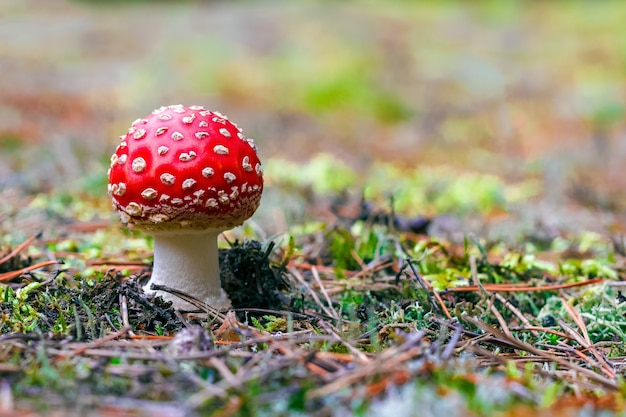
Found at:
[188, 262]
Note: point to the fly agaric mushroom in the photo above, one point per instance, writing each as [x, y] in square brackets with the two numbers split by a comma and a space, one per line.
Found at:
[184, 175]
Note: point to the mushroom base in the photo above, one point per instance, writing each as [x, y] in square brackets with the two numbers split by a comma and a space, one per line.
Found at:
[188, 262]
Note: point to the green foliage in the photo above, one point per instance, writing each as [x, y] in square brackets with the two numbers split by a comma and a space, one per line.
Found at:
[354, 91]
[523, 263]
[11, 144]
[588, 268]
[437, 190]
[324, 173]
[419, 190]
[551, 393]
[342, 245]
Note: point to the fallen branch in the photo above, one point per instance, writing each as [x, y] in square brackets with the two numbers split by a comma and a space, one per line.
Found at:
[7, 276]
[19, 248]
[525, 288]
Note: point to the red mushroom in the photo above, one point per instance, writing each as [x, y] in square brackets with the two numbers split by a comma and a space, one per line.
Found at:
[184, 175]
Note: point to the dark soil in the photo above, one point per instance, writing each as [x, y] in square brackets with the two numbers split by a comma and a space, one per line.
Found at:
[250, 278]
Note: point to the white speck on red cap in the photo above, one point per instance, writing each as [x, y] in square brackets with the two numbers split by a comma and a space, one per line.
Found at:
[221, 150]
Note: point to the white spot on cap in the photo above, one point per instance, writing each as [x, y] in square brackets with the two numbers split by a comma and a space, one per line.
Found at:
[167, 178]
[139, 164]
[223, 197]
[133, 209]
[185, 157]
[259, 169]
[139, 134]
[252, 144]
[218, 114]
[219, 120]
[165, 116]
[122, 159]
[177, 201]
[123, 144]
[159, 110]
[196, 107]
[189, 119]
[204, 113]
[149, 193]
[241, 136]
[229, 177]
[177, 135]
[234, 193]
[164, 197]
[114, 159]
[203, 123]
[211, 202]
[198, 193]
[188, 183]
[245, 164]
[220, 150]
[202, 135]
[177, 108]
[121, 189]
[208, 172]
[159, 218]
[163, 150]
[160, 131]
[124, 217]
[225, 132]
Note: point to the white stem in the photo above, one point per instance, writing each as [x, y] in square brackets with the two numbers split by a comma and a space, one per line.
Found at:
[188, 263]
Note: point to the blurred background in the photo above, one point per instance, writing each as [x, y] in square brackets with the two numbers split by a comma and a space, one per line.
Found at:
[451, 107]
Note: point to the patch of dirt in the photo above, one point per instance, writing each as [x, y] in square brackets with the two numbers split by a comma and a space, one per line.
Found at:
[250, 278]
[146, 312]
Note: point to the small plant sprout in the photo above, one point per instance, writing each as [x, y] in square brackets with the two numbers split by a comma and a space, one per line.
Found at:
[184, 175]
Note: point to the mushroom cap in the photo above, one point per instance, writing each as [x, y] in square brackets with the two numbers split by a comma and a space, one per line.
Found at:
[185, 168]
